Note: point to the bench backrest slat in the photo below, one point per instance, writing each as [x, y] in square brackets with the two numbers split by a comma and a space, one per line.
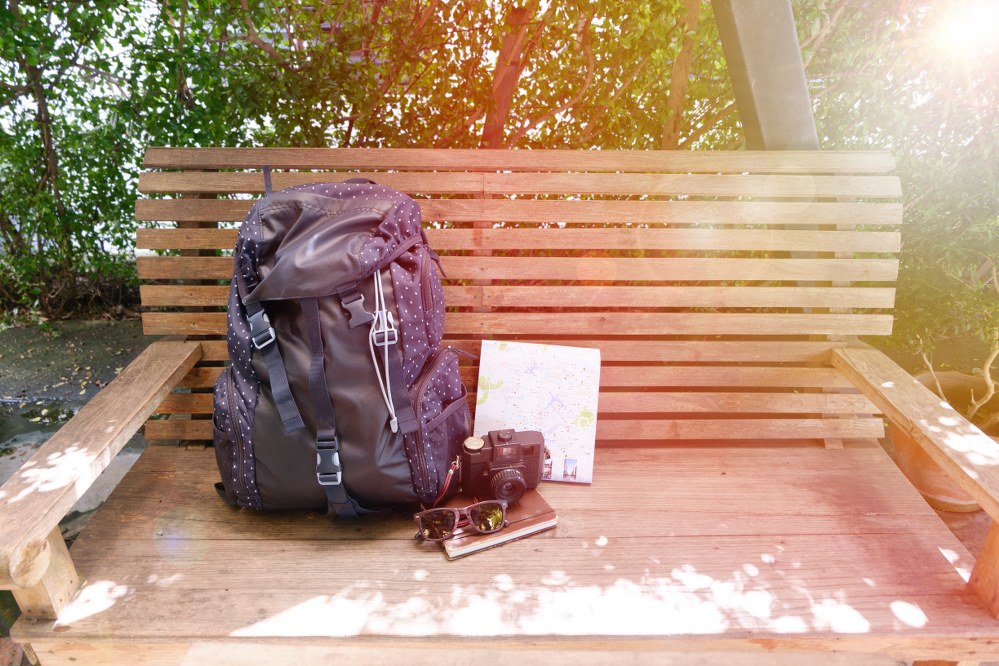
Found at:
[714, 284]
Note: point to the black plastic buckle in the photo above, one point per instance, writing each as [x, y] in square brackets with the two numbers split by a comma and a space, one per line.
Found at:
[353, 302]
[261, 331]
[328, 470]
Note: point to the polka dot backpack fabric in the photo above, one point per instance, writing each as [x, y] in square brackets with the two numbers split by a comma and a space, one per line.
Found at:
[338, 395]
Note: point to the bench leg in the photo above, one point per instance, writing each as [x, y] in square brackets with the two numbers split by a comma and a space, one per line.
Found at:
[47, 598]
[985, 575]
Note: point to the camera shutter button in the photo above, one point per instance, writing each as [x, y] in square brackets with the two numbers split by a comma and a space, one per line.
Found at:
[505, 435]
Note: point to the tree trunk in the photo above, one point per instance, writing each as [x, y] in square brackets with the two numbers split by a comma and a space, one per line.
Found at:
[673, 126]
[509, 66]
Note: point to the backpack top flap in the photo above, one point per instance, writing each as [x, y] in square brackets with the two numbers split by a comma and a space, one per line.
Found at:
[315, 239]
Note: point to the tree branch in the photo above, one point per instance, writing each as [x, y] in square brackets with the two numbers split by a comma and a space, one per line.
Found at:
[815, 41]
[254, 38]
[679, 79]
[707, 124]
[591, 67]
[593, 123]
[16, 93]
[990, 385]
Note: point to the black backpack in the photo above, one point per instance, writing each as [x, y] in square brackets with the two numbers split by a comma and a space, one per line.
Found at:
[338, 394]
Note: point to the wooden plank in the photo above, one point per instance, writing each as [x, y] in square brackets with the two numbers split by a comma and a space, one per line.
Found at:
[233, 653]
[985, 576]
[585, 268]
[732, 402]
[713, 185]
[689, 351]
[552, 211]
[656, 351]
[667, 269]
[735, 213]
[629, 351]
[185, 239]
[213, 182]
[665, 239]
[616, 184]
[506, 296]
[575, 323]
[720, 376]
[184, 295]
[743, 552]
[583, 239]
[686, 323]
[591, 297]
[188, 483]
[532, 160]
[738, 429]
[647, 428]
[50, 595]
[612, 376]
[36, 497]
[967, 454]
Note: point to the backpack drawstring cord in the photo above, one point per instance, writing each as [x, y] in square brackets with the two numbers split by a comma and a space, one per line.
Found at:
[383, 334]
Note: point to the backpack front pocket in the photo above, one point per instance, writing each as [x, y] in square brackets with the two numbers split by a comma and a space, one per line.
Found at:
[439, 399]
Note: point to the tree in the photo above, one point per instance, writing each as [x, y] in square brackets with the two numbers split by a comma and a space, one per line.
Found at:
[87, 85]
[918, 79]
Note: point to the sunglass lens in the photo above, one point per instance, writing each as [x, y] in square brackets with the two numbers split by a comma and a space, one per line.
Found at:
[437, 525]
[486, 516]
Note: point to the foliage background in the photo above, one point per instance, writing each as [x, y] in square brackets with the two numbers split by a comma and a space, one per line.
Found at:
[86, 85]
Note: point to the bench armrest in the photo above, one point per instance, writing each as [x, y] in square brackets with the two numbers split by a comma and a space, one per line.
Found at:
[965, 453]
[45, 488]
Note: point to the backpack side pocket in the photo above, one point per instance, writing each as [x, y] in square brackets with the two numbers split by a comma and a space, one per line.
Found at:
[445, 421]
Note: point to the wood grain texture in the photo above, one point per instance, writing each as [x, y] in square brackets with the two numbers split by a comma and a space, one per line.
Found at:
[36, 497]
[504, 296]
[569, 323]
[592, 269]
[581, 297]
[533, 160]
[50, 595]
[585, 239]
[658, 431]
[610, 184]
[554, 211]
[968, 455]
[985, 575]
[246, 653]
[731, 561]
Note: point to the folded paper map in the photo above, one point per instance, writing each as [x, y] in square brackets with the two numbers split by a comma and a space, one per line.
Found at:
[549, 388]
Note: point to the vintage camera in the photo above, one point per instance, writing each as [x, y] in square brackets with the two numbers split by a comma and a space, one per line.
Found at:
[503, 464]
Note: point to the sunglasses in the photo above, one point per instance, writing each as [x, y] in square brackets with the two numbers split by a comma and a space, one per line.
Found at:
[441, 524]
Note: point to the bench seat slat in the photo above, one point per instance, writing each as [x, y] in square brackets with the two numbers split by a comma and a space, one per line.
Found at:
[550, 211]
[728, 560]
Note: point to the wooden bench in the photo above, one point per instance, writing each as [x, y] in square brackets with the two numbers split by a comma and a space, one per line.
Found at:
[741, 504]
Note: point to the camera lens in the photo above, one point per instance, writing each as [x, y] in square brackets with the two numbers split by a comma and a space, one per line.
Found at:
[508, 484]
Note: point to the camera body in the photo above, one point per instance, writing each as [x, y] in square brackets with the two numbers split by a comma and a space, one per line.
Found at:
[503, 464]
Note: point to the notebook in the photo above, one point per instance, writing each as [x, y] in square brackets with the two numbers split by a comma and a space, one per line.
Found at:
[530, 515]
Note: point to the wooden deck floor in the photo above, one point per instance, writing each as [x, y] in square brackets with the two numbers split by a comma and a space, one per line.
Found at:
[831, 549]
